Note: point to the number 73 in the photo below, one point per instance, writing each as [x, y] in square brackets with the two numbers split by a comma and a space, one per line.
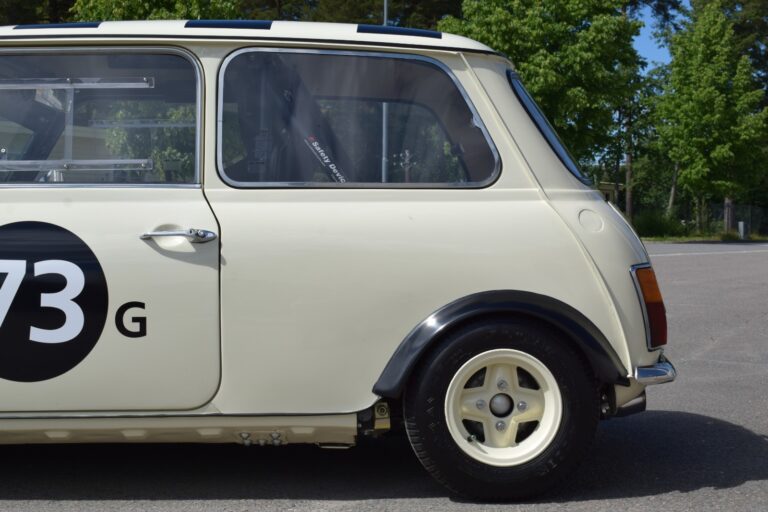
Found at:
[63, 300]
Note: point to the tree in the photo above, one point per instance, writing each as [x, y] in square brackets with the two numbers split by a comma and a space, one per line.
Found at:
[425, 13]
[406, 13]
[750, 25]
[664, 12]
[16, 12]
[653, 170]
[711, 121]
[630, 112]
[569, 54]
[108, 10]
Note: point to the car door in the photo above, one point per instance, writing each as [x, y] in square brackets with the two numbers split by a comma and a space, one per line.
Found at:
[109, 256]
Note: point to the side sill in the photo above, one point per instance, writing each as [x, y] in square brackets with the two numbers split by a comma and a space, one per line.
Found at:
[246, 430]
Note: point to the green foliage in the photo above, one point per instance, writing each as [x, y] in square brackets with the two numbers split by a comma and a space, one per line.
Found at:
[171, 146]
[274, 9]
[663, 11]
[569, 54]
[750, 24]
[710, 121]
[404, 13]
[655, 223]
[108, 10]
[729, 236]
[15, 12]
[424, 14]
[653, 168]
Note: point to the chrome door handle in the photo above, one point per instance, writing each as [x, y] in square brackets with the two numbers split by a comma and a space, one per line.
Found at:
[196, 236]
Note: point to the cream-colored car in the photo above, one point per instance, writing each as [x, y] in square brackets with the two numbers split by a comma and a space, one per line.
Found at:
[272, 233]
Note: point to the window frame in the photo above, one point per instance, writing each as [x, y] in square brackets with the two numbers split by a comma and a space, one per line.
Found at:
[252, 185]
[545, 128]
[157, 50]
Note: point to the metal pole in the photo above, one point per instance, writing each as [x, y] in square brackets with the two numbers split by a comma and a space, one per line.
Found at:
[384, 116]
[384, 141]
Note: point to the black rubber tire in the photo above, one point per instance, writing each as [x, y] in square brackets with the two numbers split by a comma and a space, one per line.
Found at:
[425, 422]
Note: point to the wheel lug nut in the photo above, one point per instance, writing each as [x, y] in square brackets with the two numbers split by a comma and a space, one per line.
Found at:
[500, 426]
[522, 406]
[502, 384]
[480, 404]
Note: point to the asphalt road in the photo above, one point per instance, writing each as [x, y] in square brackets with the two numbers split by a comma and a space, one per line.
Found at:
[702, 444]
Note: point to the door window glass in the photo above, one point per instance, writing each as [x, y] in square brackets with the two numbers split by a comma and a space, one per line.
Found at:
[104, 118]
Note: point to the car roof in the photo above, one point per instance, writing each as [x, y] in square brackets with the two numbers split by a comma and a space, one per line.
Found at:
[249, 29]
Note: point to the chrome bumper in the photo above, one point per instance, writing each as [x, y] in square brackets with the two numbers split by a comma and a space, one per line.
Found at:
[659, 373]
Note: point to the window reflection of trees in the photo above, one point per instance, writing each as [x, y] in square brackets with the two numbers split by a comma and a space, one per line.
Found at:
[158, 132]
[117, 118]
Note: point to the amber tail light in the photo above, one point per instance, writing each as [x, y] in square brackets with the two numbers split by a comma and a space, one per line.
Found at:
[654, 306]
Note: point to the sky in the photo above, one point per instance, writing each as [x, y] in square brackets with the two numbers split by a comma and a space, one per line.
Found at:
[647, 46]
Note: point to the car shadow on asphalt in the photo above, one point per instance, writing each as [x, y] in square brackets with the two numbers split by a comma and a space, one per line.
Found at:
[644, 455]
[657, 452]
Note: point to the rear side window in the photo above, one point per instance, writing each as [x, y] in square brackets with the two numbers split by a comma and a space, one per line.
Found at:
[97, 118]
[293, 118]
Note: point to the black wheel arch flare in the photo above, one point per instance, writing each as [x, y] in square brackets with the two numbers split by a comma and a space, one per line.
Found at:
[603, 359]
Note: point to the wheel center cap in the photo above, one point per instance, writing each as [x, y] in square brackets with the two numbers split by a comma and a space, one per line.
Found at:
[501, 405]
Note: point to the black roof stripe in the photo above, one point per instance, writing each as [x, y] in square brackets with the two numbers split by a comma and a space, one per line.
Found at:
[248, 24]
[399, 31]
[81, 24]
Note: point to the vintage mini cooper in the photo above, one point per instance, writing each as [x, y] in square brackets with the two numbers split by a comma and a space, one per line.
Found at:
[280, 232]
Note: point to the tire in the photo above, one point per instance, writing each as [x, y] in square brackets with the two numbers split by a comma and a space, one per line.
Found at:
[465, 418]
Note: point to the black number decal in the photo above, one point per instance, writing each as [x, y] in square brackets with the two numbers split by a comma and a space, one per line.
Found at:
[53, 301]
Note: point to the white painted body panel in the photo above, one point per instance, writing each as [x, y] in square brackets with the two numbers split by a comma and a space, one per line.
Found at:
[319, 286]
[176, 366]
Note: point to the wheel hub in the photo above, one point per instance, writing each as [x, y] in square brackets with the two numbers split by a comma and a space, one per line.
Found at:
[502, 405]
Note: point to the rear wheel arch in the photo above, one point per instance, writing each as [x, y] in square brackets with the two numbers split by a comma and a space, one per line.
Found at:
[546, 311]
